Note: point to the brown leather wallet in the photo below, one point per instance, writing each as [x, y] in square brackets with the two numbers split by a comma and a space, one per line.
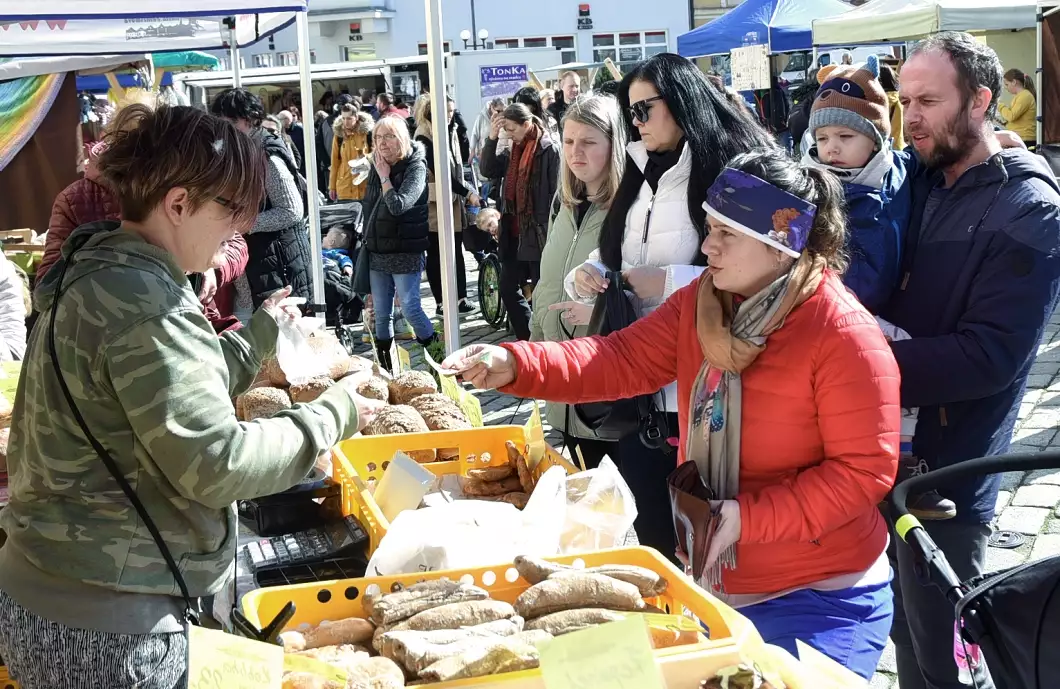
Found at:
[694, 518]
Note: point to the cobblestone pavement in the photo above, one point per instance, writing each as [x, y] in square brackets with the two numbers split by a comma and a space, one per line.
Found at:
[1028, 504]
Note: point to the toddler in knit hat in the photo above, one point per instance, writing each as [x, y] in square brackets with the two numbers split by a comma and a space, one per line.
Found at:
[850, 127]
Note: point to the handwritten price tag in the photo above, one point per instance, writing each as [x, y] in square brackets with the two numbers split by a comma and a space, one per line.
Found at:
[404, 359]
[223, 661]
[330, 673]
[535, 436]
[612, 656]
[471, 407]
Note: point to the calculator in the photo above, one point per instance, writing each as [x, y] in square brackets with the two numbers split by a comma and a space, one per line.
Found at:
[337, 540]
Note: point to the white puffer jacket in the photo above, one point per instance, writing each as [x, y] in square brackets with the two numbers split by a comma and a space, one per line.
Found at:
[660, 233]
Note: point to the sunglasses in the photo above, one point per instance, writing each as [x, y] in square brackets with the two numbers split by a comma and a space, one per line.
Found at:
[641, 110]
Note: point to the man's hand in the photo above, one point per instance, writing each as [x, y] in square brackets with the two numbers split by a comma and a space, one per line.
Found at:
[209, 286]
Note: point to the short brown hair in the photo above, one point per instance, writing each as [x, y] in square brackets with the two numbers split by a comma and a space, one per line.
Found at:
[182, 147]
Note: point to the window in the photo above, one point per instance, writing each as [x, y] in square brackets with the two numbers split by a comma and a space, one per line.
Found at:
[632, 46]
[263, 60]
[535, 42]
[507, 43]
[288, 59]
[568, 53]
[445, 48]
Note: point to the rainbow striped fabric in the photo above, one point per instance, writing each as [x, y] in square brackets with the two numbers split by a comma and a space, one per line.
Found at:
[23, 105]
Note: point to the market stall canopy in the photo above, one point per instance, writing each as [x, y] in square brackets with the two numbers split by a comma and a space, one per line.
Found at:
[18, 68]
[156, 27]
[782, 25]
[185, 60]
[883, 21]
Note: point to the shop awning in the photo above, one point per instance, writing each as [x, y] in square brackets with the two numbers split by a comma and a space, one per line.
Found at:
[782, 25]
[883, 21]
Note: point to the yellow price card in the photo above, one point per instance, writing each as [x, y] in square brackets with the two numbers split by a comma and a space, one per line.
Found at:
[330, 673]
[535, 436]
[617, 655]
[471, 407]
[224, 661]
[404, 359]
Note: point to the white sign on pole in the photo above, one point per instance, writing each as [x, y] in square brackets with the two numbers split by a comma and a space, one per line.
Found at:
[750, 68]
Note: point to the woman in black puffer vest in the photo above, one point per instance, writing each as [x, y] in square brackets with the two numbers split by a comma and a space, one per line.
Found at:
[396, 229]
[278, 245]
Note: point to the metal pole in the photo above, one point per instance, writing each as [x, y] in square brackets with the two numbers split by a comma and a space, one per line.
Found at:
[443, 177]
[474, 28]
[1038, 80]
[237, 77]
[308, 122]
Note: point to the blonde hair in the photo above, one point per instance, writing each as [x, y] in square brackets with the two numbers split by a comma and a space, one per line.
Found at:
[602, 114]
[399, 128]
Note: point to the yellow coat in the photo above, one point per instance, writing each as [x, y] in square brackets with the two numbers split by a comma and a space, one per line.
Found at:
[1021, 116]
[345, 149]
[897, 132]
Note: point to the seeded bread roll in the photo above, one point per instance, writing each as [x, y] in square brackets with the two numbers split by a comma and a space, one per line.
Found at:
[400, 419]
[441, 414]
[308, 392]
[375, 389]
[261, 403]
[410, 385]
[331, 353]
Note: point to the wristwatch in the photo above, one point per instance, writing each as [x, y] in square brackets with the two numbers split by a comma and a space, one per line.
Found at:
[384, 181]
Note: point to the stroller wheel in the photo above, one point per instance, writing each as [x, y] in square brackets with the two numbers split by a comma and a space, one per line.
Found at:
[346, 339]
[489, 292]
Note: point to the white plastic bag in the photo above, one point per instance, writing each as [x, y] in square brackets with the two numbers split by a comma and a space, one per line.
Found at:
[600, 509]
[296, 359]
[473, 533]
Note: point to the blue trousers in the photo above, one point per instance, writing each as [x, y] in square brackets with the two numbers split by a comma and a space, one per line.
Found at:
[849, 626]
[406, 287]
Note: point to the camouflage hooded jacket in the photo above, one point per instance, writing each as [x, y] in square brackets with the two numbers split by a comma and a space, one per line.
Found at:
[154, 384]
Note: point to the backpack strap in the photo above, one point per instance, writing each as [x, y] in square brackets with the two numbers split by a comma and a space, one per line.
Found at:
[557, 206]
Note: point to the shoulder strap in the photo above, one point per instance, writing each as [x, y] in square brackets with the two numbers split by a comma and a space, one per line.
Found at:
[112, 467]
[557, 206]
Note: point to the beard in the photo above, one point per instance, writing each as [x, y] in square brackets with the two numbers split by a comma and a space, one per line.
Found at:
[952, 142]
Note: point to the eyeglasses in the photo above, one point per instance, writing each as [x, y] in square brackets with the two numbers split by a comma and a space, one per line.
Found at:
[641, 110]
[386, 138]
[228, 204]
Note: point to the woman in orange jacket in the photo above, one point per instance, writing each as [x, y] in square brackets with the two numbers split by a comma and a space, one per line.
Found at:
[789, 410]
[353, 141]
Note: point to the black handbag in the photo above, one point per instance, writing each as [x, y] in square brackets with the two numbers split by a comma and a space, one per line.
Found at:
[615, 420]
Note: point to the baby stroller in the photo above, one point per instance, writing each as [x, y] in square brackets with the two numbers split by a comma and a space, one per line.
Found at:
[344, 306]
[1012, 615]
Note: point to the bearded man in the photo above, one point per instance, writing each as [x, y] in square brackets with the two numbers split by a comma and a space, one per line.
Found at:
[980, 277]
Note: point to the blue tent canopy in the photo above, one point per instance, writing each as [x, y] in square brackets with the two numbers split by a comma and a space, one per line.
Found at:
[97, 83]
[782, 25]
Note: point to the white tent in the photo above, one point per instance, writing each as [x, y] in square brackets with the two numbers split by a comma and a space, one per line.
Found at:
[135, 35]
[886, 21]
[83, 64]
[56, 11]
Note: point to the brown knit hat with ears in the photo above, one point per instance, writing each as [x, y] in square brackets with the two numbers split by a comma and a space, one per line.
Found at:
[851, 96]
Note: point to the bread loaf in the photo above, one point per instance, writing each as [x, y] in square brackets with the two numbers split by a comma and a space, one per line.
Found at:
[309, 391]
[410, 385]
[400, 419]
[261, 403]
[441, 414]
[374, 389]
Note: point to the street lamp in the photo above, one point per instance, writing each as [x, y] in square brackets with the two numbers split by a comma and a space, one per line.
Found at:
[466, 36]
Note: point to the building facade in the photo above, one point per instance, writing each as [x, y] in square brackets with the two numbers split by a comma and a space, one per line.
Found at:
[353, 30]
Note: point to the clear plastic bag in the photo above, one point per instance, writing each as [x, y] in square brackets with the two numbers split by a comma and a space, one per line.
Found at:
[600, 509]
[296, 358]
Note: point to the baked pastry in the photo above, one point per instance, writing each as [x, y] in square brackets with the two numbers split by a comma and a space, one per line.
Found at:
[311, 390]
[441, 414]
[375, 389]
[399, 419]
[261, 403]
[410, 385]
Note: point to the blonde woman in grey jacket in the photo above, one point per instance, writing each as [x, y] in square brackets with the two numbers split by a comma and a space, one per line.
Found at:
[591, 166]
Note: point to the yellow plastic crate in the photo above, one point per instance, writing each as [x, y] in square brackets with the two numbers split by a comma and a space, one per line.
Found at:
[5, 681]
[731, 634]
[358, 460]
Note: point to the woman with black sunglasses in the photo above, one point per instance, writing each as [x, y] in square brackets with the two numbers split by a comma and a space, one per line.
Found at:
[682, 133]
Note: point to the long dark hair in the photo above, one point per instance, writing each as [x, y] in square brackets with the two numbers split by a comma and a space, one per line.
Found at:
[531, 98]
[715, 132]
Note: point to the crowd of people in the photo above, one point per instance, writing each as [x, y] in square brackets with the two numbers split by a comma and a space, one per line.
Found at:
[799, 331]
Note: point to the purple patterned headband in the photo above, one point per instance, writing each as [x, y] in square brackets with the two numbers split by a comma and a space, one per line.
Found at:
[758, 209]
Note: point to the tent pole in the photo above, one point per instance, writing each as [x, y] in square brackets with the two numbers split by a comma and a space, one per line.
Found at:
[442, 175]
[237, 77]
[308, 132]
[1039, 125]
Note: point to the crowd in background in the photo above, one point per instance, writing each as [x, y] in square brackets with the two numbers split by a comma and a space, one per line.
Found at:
[803, 302]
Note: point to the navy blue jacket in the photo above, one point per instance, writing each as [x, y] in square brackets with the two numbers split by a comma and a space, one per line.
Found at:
[878, 220]
[979, 285]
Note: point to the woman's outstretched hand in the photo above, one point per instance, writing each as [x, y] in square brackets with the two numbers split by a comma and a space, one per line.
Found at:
[486, 367]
